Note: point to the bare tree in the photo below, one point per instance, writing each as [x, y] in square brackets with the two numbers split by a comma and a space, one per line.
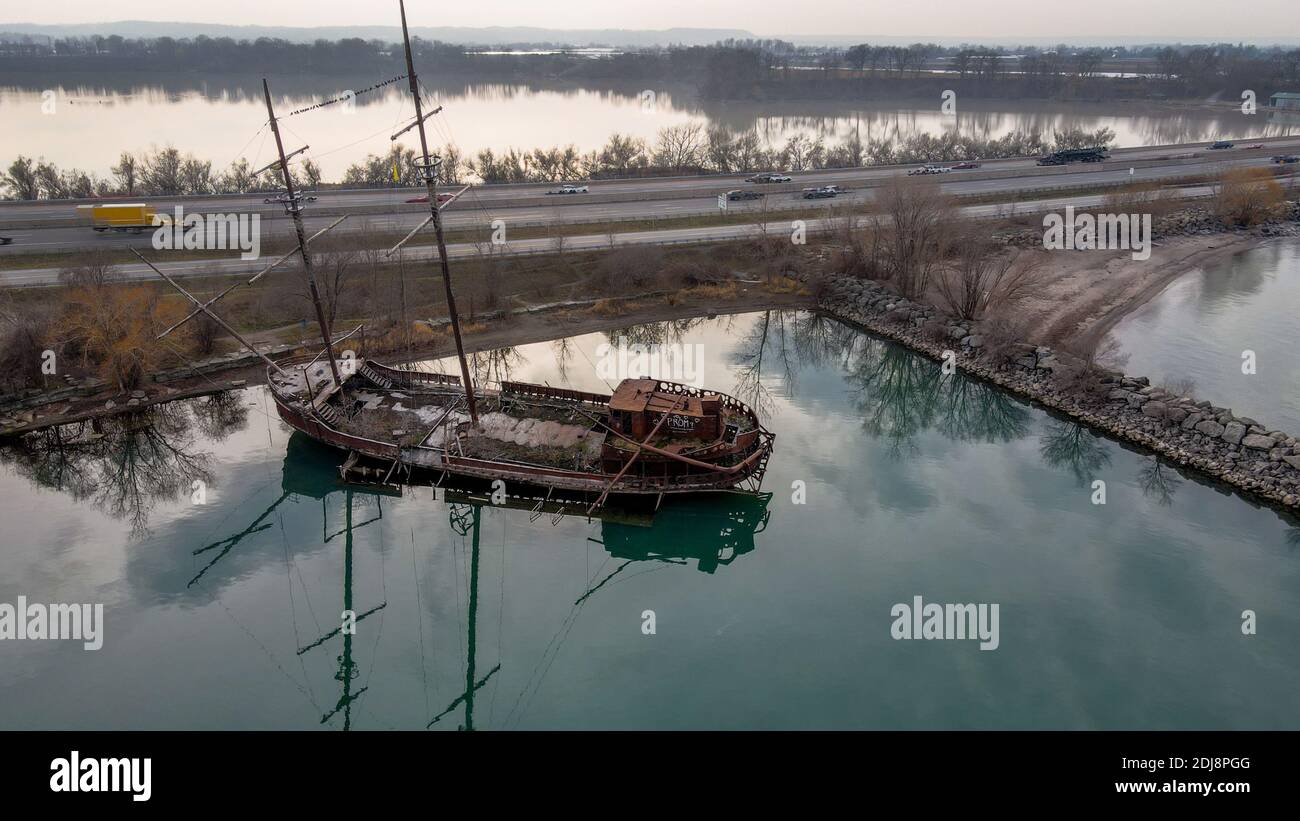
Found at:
[126, 171]
[920, 214]
[680, 146]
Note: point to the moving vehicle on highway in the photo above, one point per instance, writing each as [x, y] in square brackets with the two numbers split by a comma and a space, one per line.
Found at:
[769, 176]
[741, 194]
[821, 193]
[569, 188]
[6, 240]
[927, 169]
[283, 198]
[1073, 155]
[1254, 147]
[1221, 145]
[1286, 159]
[425, 198]
[962, 166]
[135, 217]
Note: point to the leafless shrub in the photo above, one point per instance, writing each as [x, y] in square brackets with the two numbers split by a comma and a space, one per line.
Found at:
[1180, 386]
[1086, 365]
[23, 340]
[863, 253]
[205, 334]
[1004, 339]
[985, 278]
[1248, 196]
[91, 271]
[629, 268]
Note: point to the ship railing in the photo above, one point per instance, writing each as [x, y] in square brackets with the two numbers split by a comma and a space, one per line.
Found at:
[528, 390]
[726, 400]
[409, 378]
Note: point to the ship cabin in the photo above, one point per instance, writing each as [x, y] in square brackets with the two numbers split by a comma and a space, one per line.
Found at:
[638, 405]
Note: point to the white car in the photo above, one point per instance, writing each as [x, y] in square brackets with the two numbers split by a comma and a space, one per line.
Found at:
[928, 169]
[569, 189]
[769, 176]
[282, 198]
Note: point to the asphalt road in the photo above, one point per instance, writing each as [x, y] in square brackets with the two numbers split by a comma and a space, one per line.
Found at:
[46, 276]
[52, 227]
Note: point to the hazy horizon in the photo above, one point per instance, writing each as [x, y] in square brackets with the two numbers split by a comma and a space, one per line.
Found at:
[1004, 21]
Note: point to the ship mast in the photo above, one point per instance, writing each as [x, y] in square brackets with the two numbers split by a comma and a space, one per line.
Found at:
[293, 207]
[428, 168]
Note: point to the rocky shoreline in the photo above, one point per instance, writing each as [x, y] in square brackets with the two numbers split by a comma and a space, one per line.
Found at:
[1193, 434]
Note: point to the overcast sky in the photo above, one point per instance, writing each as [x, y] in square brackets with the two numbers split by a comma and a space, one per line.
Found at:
[977, 19]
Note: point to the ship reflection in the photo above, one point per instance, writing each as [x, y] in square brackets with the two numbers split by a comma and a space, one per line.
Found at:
[708, 532]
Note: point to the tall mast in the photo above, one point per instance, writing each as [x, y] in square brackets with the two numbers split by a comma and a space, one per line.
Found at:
[293, 206]
[429, 169]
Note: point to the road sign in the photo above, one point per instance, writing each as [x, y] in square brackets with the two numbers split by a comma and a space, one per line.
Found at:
[722, 202]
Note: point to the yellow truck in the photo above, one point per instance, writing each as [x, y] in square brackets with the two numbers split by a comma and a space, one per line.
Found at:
[122, 216]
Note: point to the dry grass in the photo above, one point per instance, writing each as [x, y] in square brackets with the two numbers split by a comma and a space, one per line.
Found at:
[608, 307]
[725, 290]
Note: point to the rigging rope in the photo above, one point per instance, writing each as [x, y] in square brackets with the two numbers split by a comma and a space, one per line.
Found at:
[342, 98]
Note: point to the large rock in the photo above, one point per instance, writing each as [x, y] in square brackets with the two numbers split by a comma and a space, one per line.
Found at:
[1156, 410]
[1176, 415]
[1233, 432]
[1192, 420]
[1293, 461]
[1256, 441]
[1210, 428]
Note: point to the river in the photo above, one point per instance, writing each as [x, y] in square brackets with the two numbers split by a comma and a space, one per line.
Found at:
[767, 612]
[1195, 334]
[94, 119]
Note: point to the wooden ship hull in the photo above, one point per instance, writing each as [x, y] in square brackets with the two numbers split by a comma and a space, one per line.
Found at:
[650, 438]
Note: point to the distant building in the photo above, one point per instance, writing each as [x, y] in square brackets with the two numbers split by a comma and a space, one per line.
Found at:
[1285, 99]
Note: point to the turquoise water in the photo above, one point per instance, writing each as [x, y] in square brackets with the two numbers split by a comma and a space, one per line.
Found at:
[767, 613]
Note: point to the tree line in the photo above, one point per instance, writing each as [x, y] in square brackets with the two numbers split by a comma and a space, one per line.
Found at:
[746, 69]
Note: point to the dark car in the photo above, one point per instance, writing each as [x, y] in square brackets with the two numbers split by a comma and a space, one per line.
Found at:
[741, 194]
[1286, 159]
[6, 240]
[1221, 144]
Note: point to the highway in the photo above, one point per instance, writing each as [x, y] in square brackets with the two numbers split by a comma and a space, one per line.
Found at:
[53, 227]
[589, 242]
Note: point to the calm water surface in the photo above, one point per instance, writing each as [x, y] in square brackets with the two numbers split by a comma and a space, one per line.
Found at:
[769, 614]
[1196, 330]
[220, 120]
